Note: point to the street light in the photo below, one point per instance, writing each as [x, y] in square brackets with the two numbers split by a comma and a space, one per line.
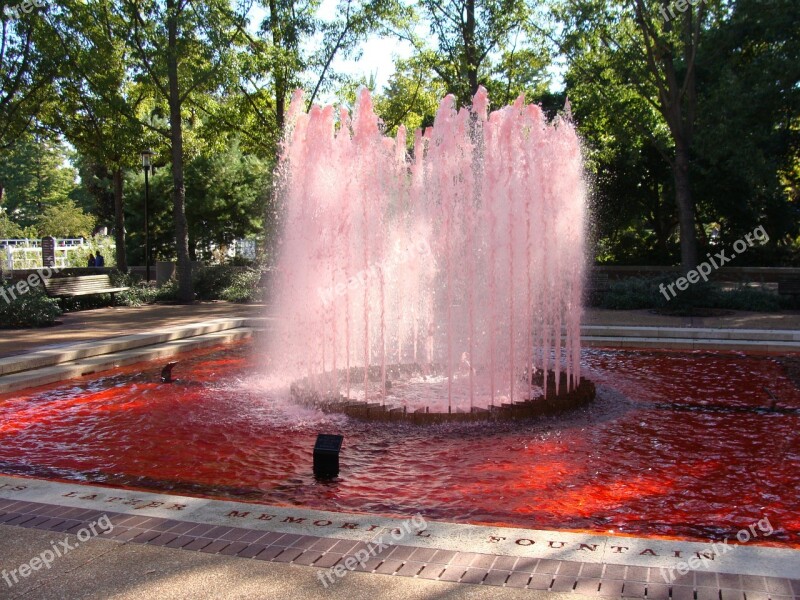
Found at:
[146, 156]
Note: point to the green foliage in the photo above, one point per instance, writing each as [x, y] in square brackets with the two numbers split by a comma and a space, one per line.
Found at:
[636, 293]
[244, 287]
[8, 228]
[411, 99]
[32, 309]
[34, 179]
[633, 293]
[65, 220]
[225, 197]
[223, 282]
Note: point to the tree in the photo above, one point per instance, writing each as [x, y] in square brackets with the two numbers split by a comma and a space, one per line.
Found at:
[227, 193]
[25, 79]
[412, 97]
[98, 104]
[468, 34]
[65, 219]
[183, 50]
[747, 135]
[632, 45]
[35, 177]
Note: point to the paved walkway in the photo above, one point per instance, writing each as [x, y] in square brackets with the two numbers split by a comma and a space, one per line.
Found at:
[133, 544]
[103, 323]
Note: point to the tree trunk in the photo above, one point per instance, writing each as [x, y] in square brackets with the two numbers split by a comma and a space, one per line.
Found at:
[686, 216]
[280, 83]
[119, 223]
[471, 51]
[185, 292]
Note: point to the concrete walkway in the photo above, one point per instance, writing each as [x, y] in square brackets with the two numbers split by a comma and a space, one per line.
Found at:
[103, 323]
[115, 543]
[103, 569]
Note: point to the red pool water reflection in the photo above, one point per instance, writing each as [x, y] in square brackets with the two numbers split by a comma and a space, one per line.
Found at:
[677, 444]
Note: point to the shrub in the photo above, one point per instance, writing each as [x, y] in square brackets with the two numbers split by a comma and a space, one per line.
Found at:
[210, 282]
[140, 293]
[748, 299]
[33, 309]
[244, 287]
[224, 282]
[633, 293]
[642, 293]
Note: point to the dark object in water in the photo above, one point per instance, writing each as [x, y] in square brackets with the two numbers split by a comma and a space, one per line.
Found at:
[326, 455]
[166, 372]
[774, 404]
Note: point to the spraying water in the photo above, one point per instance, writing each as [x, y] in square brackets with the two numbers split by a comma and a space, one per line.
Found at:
[464, 257]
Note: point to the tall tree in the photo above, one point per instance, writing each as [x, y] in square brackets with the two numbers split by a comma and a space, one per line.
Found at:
[648, 47]
[99, 105]
[468, 34]
[184, 50]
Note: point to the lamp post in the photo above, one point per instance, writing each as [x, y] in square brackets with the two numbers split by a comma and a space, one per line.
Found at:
[146, 156]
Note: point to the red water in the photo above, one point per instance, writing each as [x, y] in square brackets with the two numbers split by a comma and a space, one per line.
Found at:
[675, 445]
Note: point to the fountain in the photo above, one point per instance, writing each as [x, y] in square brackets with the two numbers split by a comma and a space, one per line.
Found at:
[441, 285]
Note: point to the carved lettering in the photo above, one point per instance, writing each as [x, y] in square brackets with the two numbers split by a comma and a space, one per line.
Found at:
[294, 519]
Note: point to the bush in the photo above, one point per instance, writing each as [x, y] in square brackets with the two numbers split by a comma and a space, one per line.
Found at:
[210, 282]
[139, 293]
[33, 309]
[224, 282]
[749, 299]
[643, 293]
[244, 287]
[633, 293]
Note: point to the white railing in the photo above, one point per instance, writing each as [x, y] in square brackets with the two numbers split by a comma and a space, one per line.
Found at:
[27, 254]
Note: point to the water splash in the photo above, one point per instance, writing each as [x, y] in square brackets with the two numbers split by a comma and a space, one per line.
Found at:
[465, 257]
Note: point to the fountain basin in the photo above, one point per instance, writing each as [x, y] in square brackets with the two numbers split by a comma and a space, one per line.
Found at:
[393, 406]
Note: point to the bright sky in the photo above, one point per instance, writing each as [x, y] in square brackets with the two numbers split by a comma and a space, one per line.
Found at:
[378, 54]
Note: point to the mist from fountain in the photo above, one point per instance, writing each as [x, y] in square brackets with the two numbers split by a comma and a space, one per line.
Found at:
[465, 257]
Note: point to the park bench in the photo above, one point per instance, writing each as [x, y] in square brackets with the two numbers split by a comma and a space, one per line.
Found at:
[86, 285]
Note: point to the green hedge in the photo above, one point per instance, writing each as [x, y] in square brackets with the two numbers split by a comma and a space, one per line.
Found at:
[32, 309]
[223, 282]
[643, 293]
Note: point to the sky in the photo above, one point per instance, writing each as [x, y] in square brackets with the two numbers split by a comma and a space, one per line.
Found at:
[378, 55]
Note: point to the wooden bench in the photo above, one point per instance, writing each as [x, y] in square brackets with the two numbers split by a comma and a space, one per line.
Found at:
[86, 285]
